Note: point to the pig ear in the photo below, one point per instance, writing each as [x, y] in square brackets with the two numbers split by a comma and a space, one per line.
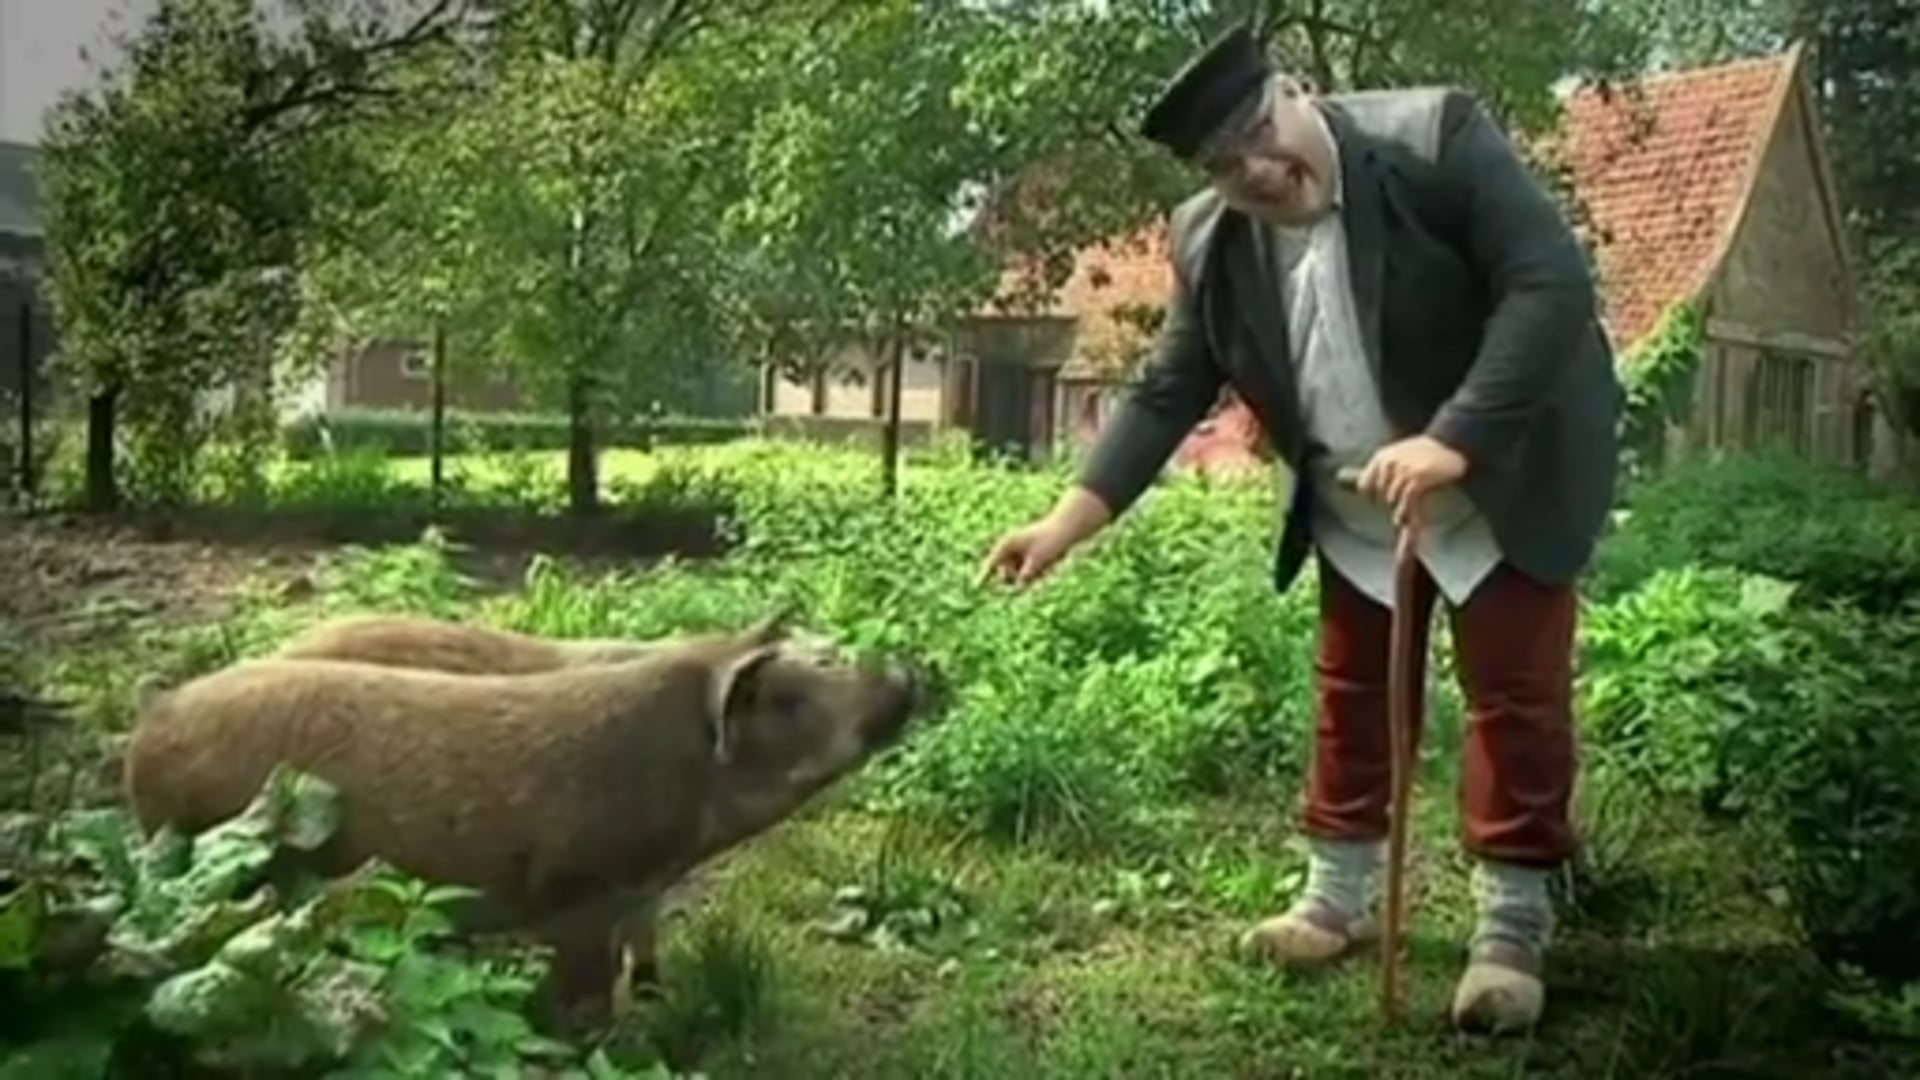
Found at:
[772, 626]
[730, 685]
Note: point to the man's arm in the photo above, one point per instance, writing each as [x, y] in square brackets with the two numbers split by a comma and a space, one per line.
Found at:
[1543, 291]
[1177, 386]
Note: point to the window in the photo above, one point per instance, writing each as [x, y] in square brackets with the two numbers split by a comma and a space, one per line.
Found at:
[1779, 403]
[416, 364]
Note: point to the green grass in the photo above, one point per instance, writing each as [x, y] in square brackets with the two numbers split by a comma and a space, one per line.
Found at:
[1053, 882]
[1106, 967]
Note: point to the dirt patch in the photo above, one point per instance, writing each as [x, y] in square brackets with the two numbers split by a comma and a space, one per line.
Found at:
[74, 581]
[695, 532]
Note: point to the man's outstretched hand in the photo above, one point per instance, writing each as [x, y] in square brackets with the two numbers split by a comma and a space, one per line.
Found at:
[1400, 473]
[1023, 555]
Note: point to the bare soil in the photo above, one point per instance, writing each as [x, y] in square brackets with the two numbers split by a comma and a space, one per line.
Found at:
[70, 580]
[74, 580]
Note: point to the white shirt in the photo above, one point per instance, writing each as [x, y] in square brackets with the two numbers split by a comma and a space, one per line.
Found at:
[1341, 407]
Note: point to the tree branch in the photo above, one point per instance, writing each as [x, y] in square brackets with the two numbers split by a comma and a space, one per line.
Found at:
[311, 87]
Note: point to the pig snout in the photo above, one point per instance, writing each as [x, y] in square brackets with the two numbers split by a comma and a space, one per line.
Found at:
[927, 685]
[910, 690]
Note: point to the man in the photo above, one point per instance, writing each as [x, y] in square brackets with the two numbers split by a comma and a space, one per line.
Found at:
[1388, 287]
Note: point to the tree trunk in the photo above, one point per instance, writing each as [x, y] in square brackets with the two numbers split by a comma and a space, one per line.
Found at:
[27, 372]
[102, 493]
[438, 432]
[890, 433]
[583, 481]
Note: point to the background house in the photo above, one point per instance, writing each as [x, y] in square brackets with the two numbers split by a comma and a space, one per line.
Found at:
[1715, 188]
[1710, 185]
[995, 376]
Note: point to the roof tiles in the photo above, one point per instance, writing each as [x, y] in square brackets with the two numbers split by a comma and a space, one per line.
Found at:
[1662, 173]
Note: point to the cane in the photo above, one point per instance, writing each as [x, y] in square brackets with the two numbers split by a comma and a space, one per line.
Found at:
[1403, 696]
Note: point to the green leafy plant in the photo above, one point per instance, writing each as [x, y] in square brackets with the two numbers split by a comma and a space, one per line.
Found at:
[250, 965]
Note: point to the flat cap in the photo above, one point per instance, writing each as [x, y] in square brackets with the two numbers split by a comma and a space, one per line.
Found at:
[1206, 90]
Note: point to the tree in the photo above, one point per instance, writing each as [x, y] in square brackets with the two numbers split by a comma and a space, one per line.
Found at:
[552, 214]
[855, 216]
[177, 200]
[1061, 87]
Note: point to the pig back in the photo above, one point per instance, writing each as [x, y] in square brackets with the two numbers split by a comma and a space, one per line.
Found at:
[521, 786]
[421, 642]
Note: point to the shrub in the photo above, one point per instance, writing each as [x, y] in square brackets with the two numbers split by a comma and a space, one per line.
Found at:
[1831, 530]
[1717, 686]
[409, 432]
[1842, 781]
[184, 945]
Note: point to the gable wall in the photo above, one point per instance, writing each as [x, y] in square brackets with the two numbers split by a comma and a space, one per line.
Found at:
[1778, 367]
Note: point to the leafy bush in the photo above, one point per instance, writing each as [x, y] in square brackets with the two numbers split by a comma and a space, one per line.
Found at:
[1831, 530]
[409, 432]
[249, 970]
[1715, 685]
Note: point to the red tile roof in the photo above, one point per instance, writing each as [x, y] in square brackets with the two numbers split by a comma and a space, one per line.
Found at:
[1661, 172]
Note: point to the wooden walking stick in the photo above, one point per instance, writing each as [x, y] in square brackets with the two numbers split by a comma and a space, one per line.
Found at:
[1404, 696]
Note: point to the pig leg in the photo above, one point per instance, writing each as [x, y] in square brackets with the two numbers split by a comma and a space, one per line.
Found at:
[638, 935]
[577, 995]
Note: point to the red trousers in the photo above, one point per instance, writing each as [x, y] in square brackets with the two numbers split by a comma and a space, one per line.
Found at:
[1513, 644]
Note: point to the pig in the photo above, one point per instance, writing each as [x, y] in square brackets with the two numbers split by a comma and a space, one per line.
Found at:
[567, 799]
[419, 641]
[442, 645]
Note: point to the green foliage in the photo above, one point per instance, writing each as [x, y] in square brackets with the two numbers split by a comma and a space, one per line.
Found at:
[1834, 532]
[178, 197]
[1712, 686]
[1658, 376]
[406, 432]
[550, 214]
[856, 178]
[252, 969]
[1679, 672]
[1098, 720]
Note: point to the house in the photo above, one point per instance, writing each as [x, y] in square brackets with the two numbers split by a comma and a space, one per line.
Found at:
[1715, 189]
[995, 376]
[1708, 185]
[391, 374]
[1711, 186]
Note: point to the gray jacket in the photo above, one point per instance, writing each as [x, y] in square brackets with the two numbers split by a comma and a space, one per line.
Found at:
[1477, 308]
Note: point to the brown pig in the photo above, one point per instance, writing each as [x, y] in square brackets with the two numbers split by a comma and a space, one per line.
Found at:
[420, 641]
[569, 799]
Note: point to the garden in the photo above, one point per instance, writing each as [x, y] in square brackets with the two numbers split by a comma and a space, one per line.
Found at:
[477, 309]
[1049, 880]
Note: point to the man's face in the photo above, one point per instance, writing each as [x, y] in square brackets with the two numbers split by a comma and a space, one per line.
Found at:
[1276, 161]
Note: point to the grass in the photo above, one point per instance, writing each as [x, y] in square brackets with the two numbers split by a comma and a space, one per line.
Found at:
[902, 929]
[1058, 966]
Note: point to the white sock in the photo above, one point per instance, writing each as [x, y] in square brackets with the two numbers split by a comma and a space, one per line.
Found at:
[1514, 904]
[1341, 874]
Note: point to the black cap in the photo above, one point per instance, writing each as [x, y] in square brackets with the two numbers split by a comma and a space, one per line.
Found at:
[1206, 90]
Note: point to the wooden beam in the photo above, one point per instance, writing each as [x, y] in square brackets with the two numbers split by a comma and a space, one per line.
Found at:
[1733, 333]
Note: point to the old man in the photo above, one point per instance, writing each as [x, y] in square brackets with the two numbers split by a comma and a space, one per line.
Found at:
[1389, 288]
